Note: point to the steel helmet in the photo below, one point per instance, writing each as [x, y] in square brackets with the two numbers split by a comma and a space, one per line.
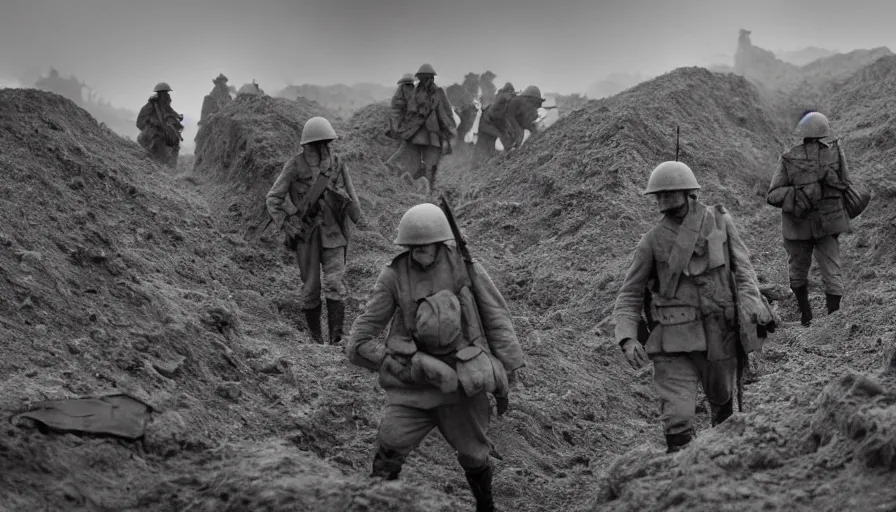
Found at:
[532, 92]
[426, 69]
[422, 225]
[508, 87]
[670, 176]
[813, 125]
[162, 87]
[317, 129]
[251, 89]
[221, 78]
[407, 78]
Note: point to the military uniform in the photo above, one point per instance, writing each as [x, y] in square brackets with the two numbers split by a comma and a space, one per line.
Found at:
[323, 235]
[808, 186]
[160, 127]
[697, 265]
[522, 112]
[426, 130]
[423, 375]
[399, 104]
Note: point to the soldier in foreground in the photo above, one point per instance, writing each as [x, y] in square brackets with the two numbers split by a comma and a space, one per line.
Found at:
[701, 284]
[808, 187]
[160, 127]
[318, 229]
[451, 341]
[400, 99]
[427, 129]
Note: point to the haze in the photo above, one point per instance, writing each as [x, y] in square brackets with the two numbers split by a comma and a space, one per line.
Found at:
[122, 48]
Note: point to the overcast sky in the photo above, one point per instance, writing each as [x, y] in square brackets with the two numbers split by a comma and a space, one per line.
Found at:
[123, 47]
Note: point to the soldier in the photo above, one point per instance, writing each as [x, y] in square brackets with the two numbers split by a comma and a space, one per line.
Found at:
[701, 277]
[522, 113]
[160, 127]
[215, 100]
[808, 186]
[443, 353]
[400, 103]
[316, 228]
[427, 129]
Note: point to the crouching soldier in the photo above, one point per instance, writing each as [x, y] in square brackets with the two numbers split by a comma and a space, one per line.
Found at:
[702, 276]
[451, 342]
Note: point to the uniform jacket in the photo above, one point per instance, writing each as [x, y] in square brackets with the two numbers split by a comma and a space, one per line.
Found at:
[152, 129]
[522, 112]
[329, 214]
[399, 108]
[808, 186]
[214, 102]
[429, 118]
[394, 299]
[698, 314]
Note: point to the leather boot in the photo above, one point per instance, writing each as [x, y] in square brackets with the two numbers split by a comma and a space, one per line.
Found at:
[481, 484]
[833, 302]
[721, 413]
[312, 316]
[335, 320]
[675, 442]
[386, 464]
[802, 300]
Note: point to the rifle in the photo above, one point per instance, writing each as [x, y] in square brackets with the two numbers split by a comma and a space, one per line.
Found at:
[501, 401]
[458, 238]
[676, 142]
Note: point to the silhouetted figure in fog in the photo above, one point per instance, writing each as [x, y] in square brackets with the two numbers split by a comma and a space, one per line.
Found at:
[399, 104]
[160, 127]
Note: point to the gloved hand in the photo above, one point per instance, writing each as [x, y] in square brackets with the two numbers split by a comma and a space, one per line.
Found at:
[763, 317]
[503, 404]
[763, 330]
[801, 204]
[635, 353]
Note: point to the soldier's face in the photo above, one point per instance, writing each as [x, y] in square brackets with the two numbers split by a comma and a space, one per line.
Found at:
[671, 200]
[424, 255]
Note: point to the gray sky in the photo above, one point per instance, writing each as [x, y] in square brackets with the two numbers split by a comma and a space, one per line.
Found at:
[123, 47]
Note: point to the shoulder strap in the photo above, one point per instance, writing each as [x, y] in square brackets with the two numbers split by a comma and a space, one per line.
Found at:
[683, 248]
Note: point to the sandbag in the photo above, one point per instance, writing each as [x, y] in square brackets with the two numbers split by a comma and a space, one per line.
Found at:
[855, 199]
[426, 369]
[478, 371]
[118, 415]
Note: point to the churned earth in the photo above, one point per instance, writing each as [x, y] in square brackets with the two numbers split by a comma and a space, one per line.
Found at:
[119, 275]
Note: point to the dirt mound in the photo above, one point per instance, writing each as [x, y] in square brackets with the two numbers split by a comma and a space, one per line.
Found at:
[118, 281]
[243, 149]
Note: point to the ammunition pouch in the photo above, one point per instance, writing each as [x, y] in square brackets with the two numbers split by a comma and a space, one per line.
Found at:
[479, 371]
[426, 369]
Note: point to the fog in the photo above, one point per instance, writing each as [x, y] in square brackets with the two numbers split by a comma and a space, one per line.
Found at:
[123, 48]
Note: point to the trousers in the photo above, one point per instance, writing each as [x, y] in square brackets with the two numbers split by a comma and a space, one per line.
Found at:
[675, 378]
[827, 253]
[311, 258]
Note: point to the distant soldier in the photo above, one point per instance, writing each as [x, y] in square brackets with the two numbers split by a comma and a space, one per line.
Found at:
[808, 186]
[522, 113]
[400, 104]
[215, 100]
[427, 129]
[317, 230]
[451, 341]
[160, 127]
[701, 286]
